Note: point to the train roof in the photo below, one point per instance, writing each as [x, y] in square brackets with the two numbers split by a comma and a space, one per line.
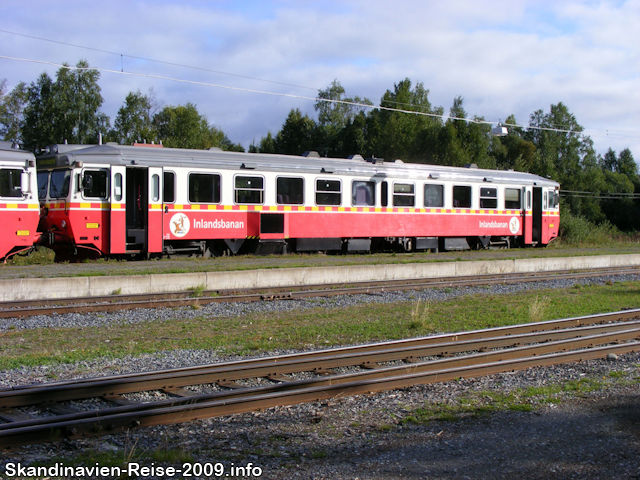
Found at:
[310, 162]
[9, 151]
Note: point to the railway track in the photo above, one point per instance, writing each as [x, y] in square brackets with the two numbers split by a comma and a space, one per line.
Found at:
[27, 308]
[98, 406]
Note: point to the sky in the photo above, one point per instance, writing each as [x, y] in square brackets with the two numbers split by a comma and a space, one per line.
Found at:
[246, 64]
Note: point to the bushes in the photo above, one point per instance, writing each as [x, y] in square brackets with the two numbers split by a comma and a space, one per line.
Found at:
[577, 230]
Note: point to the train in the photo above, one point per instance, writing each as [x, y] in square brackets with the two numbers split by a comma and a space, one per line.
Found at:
[19, 203]
[146, 201]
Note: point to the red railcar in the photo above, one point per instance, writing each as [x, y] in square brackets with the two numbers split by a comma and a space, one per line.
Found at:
[19, 207]
[132, 200]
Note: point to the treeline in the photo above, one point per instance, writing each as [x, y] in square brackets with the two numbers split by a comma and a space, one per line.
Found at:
[67, 109]
[406, 126]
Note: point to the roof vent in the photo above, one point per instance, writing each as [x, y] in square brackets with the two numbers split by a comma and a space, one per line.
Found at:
[471, 165]
[375, 160]
[356, 157]
[311, 153]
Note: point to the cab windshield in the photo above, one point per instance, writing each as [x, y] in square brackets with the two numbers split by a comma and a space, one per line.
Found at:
[59, 183]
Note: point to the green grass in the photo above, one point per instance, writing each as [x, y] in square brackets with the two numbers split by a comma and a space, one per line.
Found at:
[481, 403]
[38, 256]
[304, 329]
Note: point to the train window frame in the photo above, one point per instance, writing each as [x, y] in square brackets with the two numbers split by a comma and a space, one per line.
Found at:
[118, 192]
[13, 190]
[513, 205]
[209, 199]
[544, 200]
[43, 190]
[328, 193]
[439, 196]
[465, 200]
[155, 187]
[255, 195]
[360, 187]
[488, 198]
[170, 185]
[88, 184]
[66, 183]
[287, 198]
[400, 196]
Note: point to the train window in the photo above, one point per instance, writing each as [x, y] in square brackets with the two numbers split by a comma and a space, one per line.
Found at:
[169, 187]
[290, 191]
[117, 187]
[43, 184]
[404, 195]
[512, 199]
[363, 193]
[59, 183]
[528, 200]
[155, 187]
[204, 188]
[328, 192]
[553, 199]
[488, 197]
[433, 195]
[10, 182]
[94, 183]
[249, 189]
[544, 202]
[461, 197]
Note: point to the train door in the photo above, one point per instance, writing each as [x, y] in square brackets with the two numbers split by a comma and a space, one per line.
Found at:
[154, 225]
[137, 194]
[117, 216]
[532, 215]
[527, 219]
[536, 232]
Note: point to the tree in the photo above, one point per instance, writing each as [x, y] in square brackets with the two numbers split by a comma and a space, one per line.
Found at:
[298, 134]
[12, 111]
[335, 114]
[405, 135]
[64, 110]
[39, 114]
[184, 127]
[267, 145]
[513, 151]
[463, 142]
[134, 122]
[566, 155]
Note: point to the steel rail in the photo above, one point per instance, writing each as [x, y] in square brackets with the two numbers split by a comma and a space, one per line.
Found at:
[25, 308]
[159, 413]
[229, 372]
[373, 373]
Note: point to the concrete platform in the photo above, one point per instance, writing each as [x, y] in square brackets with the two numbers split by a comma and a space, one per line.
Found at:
[42, 288]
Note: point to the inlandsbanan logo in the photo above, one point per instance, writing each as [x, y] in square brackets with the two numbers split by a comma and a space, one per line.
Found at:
[514, 225]
[180, 225]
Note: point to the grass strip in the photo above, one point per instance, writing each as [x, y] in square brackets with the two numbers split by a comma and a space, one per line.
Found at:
[306, 329]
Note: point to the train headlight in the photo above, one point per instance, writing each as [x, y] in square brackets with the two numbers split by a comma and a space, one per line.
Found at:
[63, 224]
